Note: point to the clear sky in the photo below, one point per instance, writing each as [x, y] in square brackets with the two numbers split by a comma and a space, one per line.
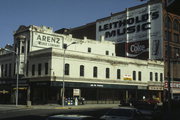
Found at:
[54, 13]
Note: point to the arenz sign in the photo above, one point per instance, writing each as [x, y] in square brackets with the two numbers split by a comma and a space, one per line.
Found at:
[139, 30]
[47, 40]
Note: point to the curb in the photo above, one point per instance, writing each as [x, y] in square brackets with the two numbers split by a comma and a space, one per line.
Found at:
[85, 107]
[94, 106]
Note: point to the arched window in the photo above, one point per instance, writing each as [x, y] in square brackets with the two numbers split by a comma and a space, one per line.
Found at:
[46, 68]
[139, 76]
[66, 71]
[33, 70]
[118, 74]
[176, 25]
[151, 76]
[95, 71]
[2, 70]
[134, 75]
[168, 23]
[81, 70]
[107, 72]
[156, 76]
[161, 77]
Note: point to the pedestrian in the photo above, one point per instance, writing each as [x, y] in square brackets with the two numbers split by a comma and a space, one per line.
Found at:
[82, 100]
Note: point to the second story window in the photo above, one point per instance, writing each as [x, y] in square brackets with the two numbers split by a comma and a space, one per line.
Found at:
[156, 76]
[139, 76]
[107, 52]
[28, 46]
[46, 68]
[176, 25]
[118, 74]
[10, 70]
[14, 69]
[6, 66]
[107, 73]
[81, 70]
[39, 69]
[176, 37]
[176, 52]
[168, 35]
[166, 51]
[33, 69]
[66, 71]
[134, 75]
[22, 49]
[89, 50]
[151, 76]
[2, 70]
[95, 71]
[168, 23]
[161, 77]
[27, 68]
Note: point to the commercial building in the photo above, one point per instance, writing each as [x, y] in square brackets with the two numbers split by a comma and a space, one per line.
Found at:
[92, 70]
[115, 58]
[141, 32]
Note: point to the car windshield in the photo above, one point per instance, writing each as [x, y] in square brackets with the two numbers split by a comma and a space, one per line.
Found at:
[120, 112]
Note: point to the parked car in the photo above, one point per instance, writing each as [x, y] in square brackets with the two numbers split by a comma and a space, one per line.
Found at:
[123, 113]
[176, 98]
[71, 117]
[150, 110]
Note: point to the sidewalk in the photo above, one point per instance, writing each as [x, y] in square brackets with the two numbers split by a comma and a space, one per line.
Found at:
[86, 106]
[57, 106]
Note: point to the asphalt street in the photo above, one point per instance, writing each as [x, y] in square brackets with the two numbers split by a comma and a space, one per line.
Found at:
[40, 112]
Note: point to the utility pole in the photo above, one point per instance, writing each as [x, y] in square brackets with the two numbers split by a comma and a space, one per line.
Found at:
[168, 63]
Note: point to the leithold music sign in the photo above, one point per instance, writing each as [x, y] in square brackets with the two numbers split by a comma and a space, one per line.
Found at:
[47, 40]
[139, 30]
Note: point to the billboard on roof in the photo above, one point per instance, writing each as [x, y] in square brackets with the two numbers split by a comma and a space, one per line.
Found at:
[44, 40]
[140, 30]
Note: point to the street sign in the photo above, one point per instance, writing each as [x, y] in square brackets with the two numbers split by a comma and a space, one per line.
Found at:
[173, 84]
[76, 92]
